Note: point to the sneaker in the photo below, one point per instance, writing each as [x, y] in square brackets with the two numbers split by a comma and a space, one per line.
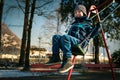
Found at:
[66, 67]
[53, 60]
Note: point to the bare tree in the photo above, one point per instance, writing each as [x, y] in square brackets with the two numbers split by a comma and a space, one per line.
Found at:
[1, 10]
[25, 46]
[24, 52]
[27, 66]
[25, 34]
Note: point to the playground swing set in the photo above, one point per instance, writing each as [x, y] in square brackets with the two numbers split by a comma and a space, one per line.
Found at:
[77, 50]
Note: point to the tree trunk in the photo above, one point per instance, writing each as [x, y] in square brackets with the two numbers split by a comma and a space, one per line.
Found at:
[27, 66]
[24, 39]
[96, 44]
[1, 10]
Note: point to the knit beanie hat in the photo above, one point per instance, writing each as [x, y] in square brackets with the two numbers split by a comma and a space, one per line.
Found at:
[81, 8]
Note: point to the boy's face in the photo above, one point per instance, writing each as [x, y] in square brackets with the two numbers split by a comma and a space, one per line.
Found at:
[78, 13]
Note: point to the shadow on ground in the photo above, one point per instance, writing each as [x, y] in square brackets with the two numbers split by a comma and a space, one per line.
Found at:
[90, 75]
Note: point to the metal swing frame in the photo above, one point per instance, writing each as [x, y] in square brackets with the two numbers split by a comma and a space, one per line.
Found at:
[94, 10]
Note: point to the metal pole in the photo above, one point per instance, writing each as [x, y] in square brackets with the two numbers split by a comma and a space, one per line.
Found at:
[108, 53]
[70, 71]
[103, 36]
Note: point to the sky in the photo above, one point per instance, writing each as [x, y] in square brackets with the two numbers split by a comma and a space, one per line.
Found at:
[14, 18]
[43, 27]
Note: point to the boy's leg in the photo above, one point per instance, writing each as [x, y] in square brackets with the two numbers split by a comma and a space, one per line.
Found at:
[55, 49]
[67, 41]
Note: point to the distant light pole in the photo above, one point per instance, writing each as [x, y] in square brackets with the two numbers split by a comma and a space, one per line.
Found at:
[39, 49]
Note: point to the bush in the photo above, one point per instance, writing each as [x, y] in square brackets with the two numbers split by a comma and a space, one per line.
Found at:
[116, 57]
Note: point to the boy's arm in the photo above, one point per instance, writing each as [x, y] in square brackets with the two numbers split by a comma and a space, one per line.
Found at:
[96, 30]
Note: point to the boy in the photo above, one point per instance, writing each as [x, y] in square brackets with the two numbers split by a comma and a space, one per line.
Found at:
[80, 28]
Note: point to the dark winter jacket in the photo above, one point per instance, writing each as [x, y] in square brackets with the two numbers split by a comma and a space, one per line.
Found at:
[81, 28]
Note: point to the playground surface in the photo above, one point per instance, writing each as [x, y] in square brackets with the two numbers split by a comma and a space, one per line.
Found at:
[77, 75]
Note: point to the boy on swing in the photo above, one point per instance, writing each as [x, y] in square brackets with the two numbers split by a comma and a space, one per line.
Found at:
[79, 29]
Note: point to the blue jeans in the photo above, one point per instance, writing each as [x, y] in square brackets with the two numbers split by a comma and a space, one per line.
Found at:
[63, 42]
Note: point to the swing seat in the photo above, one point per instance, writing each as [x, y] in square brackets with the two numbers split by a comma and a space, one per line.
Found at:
[77, 50]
